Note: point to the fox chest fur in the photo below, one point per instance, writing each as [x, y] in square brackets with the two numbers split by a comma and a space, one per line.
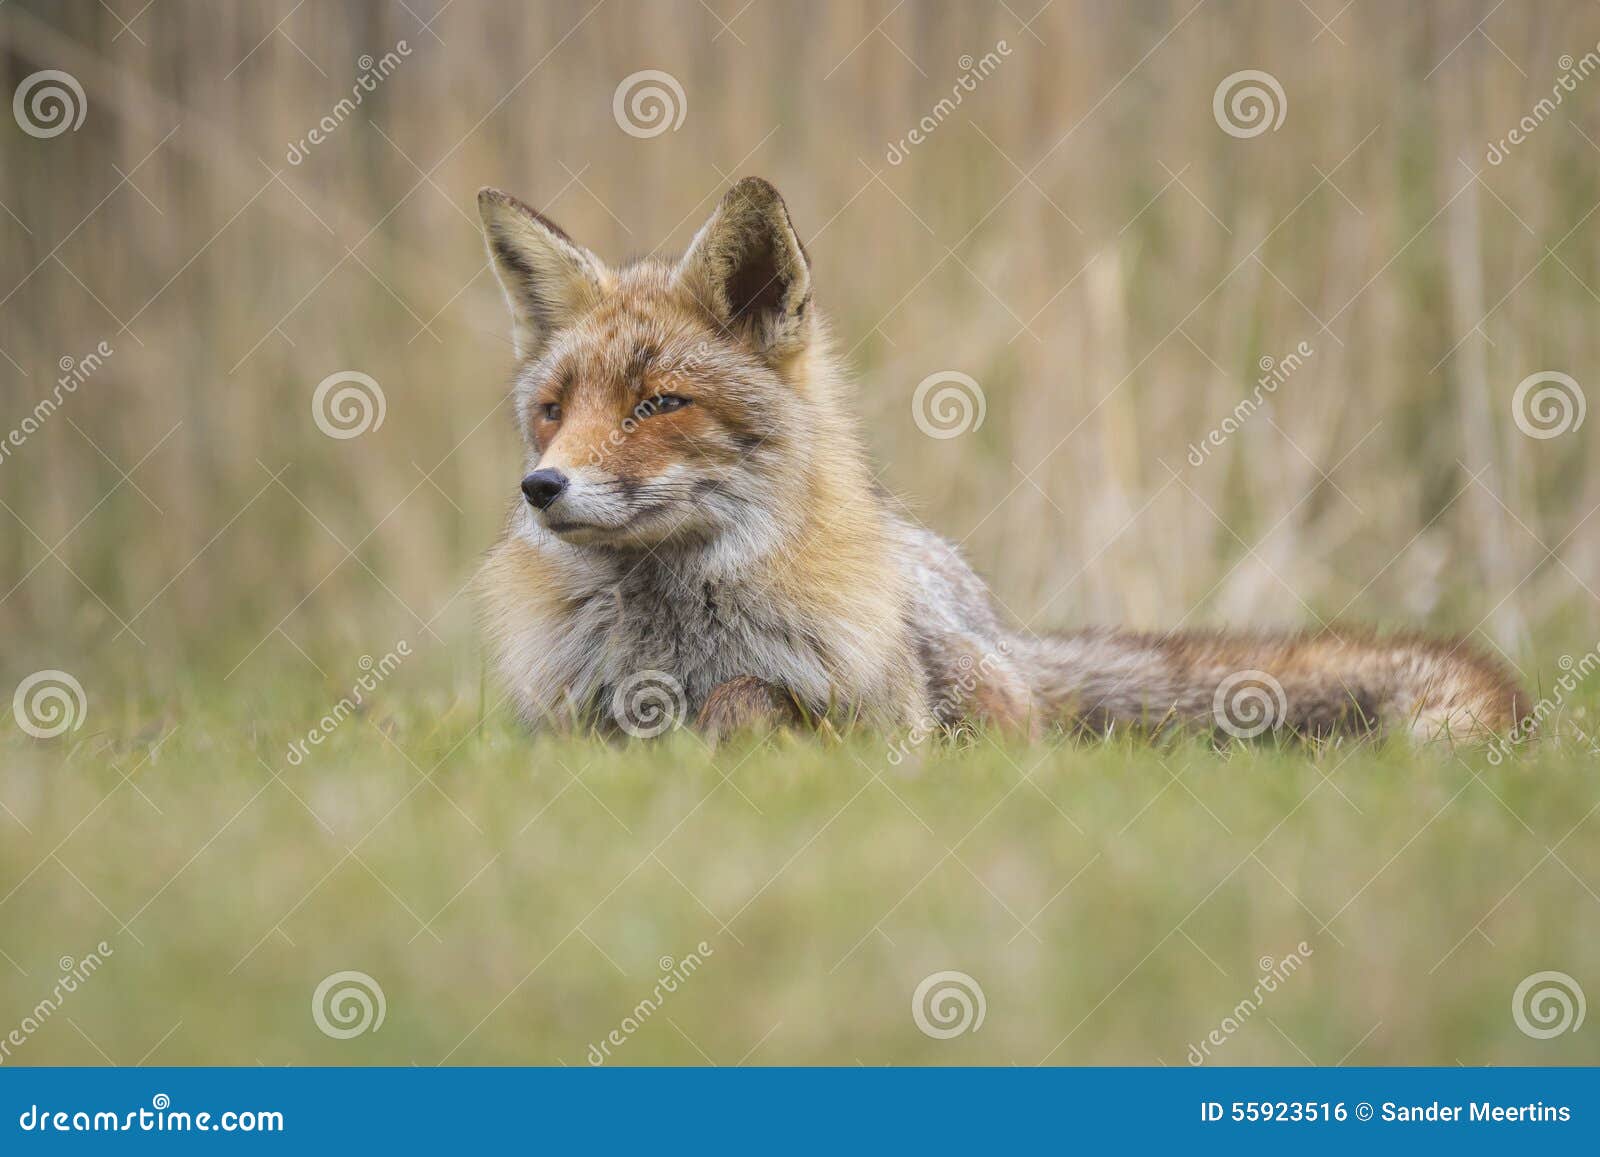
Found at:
[570, 629]
[699, 630]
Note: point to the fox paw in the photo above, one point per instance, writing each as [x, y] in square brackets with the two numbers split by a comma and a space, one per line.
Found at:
[746, 705]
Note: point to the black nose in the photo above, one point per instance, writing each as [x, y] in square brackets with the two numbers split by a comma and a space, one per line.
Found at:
[543, 487]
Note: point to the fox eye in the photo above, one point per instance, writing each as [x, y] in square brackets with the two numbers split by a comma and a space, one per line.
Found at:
[551, 411]
[666, 403]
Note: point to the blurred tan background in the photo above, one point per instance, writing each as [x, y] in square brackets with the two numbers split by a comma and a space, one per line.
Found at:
[1080, 236]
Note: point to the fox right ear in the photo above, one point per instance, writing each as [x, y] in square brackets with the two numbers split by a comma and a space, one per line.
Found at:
[549, 279]
[748, 268]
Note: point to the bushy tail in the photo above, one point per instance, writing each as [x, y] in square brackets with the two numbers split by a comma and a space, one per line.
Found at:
[1314, 684]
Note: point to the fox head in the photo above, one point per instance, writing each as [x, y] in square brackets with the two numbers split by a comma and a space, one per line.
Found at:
[664, 402]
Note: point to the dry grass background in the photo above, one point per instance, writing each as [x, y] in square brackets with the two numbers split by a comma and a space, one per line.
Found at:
[1080, 237]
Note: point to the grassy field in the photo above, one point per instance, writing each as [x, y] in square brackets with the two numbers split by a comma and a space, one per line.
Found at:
[1085, 236]
[514, 898]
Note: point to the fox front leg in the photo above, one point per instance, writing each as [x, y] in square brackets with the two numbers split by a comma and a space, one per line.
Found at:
[746, 705]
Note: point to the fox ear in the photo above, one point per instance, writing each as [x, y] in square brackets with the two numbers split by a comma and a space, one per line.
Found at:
[748, 268]
[549, 279]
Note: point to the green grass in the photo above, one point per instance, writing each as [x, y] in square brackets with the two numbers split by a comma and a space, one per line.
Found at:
[513, 896]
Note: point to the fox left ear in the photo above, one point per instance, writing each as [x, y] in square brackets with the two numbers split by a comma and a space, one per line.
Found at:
[549, 279]
[748, 268]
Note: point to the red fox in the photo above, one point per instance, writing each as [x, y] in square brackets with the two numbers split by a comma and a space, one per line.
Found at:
[699, 538]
